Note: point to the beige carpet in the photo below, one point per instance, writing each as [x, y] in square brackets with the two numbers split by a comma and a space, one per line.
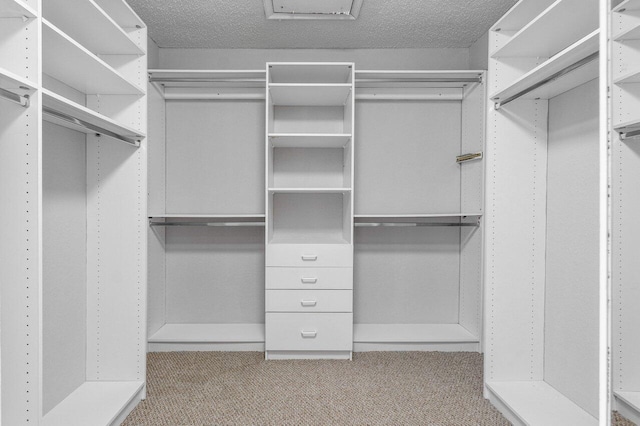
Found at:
[376, 388]
[618, 420]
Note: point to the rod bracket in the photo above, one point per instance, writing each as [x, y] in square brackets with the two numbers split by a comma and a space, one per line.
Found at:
[469, 157]
[633, 134]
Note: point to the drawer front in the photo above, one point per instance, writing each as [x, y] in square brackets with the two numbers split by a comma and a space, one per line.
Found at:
[309, 278]
[310, 255]
[309, 301]
[309, 332]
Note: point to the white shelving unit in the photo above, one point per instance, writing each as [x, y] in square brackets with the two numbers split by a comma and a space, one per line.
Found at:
[74, 244]
[309, 162]
[542, 267]
[625, 290]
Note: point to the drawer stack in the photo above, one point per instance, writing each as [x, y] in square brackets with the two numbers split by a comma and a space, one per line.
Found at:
[309, 220]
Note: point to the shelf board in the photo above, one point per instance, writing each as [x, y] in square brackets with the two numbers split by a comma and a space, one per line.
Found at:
[628, 126]
[307, 239]
[209, 333]
[628, 5]
[520, 14]
[122, 13]
[537, 403]
[309, 190]
[571, 55]
[631, 403]
[549, 34]
[65, 106]
[412, 333]
[628, 78]
[93, 403]
[309, 140]
[16, 9]
[112, 39]
[631, 34]
[304, 72]
[13, 82]
[209, 78]
[309, 94]
[417, 78]
[66, 60]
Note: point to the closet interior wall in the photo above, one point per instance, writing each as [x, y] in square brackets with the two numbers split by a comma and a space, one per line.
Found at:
[73, 218]
[543, 201]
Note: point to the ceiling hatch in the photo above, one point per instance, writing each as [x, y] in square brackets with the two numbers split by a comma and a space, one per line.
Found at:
[312, 9]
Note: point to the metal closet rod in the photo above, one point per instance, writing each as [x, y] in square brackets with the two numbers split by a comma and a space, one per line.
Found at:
[205, 80]
[14, 97]
[630, 135]
[410, 224]
[206, 223]
[97, 129]
[421, 80]
[548, 80]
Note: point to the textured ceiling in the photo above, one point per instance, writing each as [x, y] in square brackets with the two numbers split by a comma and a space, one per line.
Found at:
[381, 24]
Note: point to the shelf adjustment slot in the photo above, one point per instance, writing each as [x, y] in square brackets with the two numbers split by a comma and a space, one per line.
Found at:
[499, 104]
[469, 157]
[22, 100]
[92, 127]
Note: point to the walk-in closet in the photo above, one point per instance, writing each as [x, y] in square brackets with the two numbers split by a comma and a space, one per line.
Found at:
[299, 212]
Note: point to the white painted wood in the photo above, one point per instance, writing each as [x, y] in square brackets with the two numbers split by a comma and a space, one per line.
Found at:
[205, 347]
[16, 9]
[521, 14]
[412, 333]
[310, 168]
[95, 403]
[121, 12]
[572, 286]
[19, 38]
[308, 332]
[632, 76]
[308, 140]
[209, 333]
[569, 56]
[285, 94]
[64, 263]
[632, 33]
[96, 30]
[308, 120]
[548, 33]
[282, 355]
[417, 347]
[309, 300]
[14, 83]
[627, 5]
[156, 152]
[310, 72]
[310, 255]
[303, 190]
[537, 403]
[60, 104]
[207, 143]
[283, 278]
[69, 62]
[628, 404]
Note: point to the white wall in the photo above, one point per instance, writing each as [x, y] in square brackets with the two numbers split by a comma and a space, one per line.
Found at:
[479, 53]
[364, 58]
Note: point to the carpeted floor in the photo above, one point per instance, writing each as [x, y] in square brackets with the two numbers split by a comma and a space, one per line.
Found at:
[618, 420]
[376, 388]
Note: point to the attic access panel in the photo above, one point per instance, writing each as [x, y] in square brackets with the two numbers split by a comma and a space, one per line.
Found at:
[312, 9]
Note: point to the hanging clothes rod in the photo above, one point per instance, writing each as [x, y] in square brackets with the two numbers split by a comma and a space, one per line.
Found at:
[205, 80]
[230, 224]
[97, 129]
[548, 80]
[410, 224]
[477, 79]
[14, 97]
[630, 135]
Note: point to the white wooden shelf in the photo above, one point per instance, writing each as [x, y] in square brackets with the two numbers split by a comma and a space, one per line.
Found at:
[628, 404]
[309, 94]
[521, 14]
[16, 9]
[11, 81]
[537, 403]
[67, 107]
[209, 78]
[309, 140]
[627, 5]
[549, 34]
[571, 55]
[121, 12]
[306, 239]
[628, 126]
[309, 190]
[209, 333]
[632, 76]
[630, 34]
[412, 333]
[111, 39]
[305, 72]
[94, 403]
[66, 60]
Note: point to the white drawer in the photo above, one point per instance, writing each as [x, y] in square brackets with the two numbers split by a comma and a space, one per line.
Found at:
[310, 255]
[309, 301]
[309, 332]
[309, 278]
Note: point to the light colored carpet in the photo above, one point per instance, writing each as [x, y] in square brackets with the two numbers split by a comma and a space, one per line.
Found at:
[618, 420]
[376, 388]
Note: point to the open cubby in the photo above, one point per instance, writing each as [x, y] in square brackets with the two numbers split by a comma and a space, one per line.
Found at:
[311, 168]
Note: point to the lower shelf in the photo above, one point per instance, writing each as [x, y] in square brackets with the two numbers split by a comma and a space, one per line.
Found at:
[96, 403]
[536, 403]
[209, 333]
[398, 337]
[628, 404]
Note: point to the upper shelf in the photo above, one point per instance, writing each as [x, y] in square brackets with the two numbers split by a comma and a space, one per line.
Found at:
[549, 32]
[309, 94]
[627, 5]
[631, 34]
[122, 13]
[579, 51]
[520, 14]
[66, 60]
[77, 117]
[309, 140]
[209, 78]
[627, 127]
[12, 81]
[304, 72]
[16, 9]
[96, 31]
[416, 78]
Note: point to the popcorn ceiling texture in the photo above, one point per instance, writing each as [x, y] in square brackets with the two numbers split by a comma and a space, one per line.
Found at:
[226, 24]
